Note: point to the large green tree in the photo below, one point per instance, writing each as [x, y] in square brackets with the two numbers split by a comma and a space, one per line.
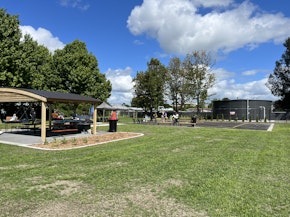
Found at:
[279, 80]
[76, 71]
[149, 86]
[141, 94]
[9, 48]
[198, 67]
[176, 83]
[24, 63]
[34, 65]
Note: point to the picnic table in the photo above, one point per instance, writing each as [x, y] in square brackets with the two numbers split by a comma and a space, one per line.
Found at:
[14, 123]
[69, 125]
[33, 125]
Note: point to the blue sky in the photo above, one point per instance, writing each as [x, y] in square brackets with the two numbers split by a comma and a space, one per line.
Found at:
[245, 37]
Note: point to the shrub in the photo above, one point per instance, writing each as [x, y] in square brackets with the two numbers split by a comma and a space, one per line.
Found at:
[64, 141]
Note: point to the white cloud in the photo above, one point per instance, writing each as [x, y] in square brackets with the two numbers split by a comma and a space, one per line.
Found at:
[75, 4]
[122, 86]
[138, 42]
[250, 72]
[254, 72]
[222, 74]
[251, 90]
[43, 37]
[212, 3]
[121, 79]
[180, 27]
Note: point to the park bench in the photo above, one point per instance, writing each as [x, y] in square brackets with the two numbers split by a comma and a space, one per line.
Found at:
[31, 125]
[64, 130]
[70, 125]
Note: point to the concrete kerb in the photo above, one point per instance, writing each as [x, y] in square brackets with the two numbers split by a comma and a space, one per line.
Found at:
[28, 141]
[20, 137]
[83, 146]
[271, 127]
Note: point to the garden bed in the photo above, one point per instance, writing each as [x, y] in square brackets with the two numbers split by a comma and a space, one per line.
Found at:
[65, 143]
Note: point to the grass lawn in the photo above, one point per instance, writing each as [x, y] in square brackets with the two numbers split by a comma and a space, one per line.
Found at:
[171, 171]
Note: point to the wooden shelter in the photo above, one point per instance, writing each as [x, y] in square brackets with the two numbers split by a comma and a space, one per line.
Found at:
[46, 98]
[104, 106]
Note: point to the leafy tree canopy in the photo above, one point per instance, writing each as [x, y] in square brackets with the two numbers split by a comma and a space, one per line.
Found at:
[76, 71]
[9, 46]
[190, 79]
[279, 80]
[149, 86]
[24, 63]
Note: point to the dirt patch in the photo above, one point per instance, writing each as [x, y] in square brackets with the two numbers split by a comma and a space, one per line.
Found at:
[89, 140]
[139, 201]
[144, 201]
[64, 187]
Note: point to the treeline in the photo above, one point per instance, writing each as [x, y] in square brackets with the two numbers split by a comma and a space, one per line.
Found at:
[181, 81]
[26, 64]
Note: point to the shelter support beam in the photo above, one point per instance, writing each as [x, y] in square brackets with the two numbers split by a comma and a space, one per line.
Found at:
[43, 121]
[95, 119]
[49, 116]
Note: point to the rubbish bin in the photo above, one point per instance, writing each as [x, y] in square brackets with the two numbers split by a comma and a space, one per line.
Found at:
[193, 121]
[113, 125]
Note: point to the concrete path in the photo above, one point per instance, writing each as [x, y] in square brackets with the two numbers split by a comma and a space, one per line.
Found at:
[19, 139]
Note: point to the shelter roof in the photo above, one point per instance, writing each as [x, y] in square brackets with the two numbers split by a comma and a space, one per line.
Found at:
[120, 107]
[30, 95]
[104, 105]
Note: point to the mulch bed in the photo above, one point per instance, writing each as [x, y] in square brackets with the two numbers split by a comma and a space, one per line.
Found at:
[86, 141]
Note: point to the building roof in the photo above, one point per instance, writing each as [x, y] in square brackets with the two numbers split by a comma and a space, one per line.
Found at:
[105, 106]
[30, 95]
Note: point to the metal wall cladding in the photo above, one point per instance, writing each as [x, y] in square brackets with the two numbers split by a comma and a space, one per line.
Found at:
[242, 109]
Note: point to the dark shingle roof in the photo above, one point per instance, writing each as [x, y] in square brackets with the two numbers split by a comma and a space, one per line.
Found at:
[62, 97]
[58, 96]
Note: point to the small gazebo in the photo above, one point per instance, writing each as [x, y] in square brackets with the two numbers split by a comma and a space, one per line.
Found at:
[46, 98]
[104, 106]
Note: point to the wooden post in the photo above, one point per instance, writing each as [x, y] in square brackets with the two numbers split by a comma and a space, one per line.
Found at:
[49, 116]
[95, 119]
[43, 122]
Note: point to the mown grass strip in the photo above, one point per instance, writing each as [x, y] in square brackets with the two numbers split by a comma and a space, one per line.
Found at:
[195, 171]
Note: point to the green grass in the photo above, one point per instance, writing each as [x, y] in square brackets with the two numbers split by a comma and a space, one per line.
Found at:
[170, 171]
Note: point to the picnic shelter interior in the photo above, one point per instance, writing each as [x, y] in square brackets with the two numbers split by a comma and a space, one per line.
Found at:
[46, 100]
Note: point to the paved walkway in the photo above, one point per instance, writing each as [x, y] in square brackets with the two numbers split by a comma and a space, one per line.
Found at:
[221, 124]
[238, 125]
[29, 137]
[12, 138]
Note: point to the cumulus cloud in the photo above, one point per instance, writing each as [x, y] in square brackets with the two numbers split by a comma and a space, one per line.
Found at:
[254, 72]
[182, 26]
[227, 87]
[250, 72]
[138, 42]
[43, 37]
[121, 79]
[122, 86]
[222, 74]
[212, 3]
